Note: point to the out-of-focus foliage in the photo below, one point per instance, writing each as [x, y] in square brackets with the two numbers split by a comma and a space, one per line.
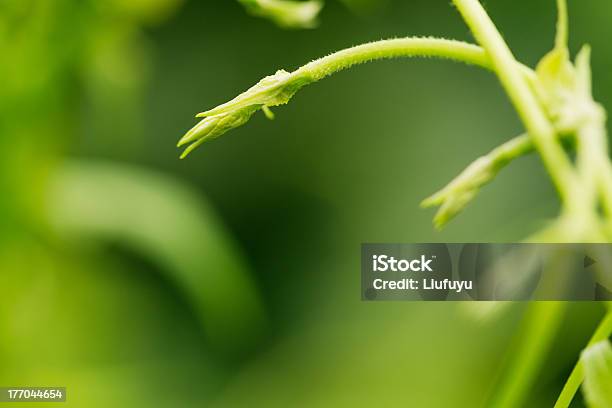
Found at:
[90, 254]
[165, 222]
[597, 361]
[145, 12]
[51, 51]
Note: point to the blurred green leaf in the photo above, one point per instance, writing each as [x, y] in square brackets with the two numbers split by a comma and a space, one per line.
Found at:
[597, 386]
[166, 222]
[92, 322]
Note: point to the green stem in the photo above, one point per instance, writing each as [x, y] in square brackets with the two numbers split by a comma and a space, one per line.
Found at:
[495, 160]
[442, 48]
[562, 25]
[594, 139]
[591, 156]
[604, 330]
[520, 93]
[394, 48]
[541, 324]
[600, 171]
[512, 149]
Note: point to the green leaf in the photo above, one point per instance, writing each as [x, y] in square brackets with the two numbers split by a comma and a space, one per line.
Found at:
[564, 89]
[555, 83]
[597, 386]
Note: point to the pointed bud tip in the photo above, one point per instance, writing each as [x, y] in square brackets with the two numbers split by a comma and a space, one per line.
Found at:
[432, 201]
[439, 223]
[187, 138]
[426, 203]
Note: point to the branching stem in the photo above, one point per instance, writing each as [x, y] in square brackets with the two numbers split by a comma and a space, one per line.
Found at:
[522, 96]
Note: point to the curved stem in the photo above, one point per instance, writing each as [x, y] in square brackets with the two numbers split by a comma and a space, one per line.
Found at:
[518, 89]
[604, 330]
[279, 88]
[427, 47]
[394, 48]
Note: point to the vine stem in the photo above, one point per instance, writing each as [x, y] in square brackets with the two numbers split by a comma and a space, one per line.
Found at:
[604, 330]
[525, 102]
[427, 47]
[394, 48]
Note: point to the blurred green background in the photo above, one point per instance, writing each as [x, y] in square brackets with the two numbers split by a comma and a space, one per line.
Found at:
[231, 278]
